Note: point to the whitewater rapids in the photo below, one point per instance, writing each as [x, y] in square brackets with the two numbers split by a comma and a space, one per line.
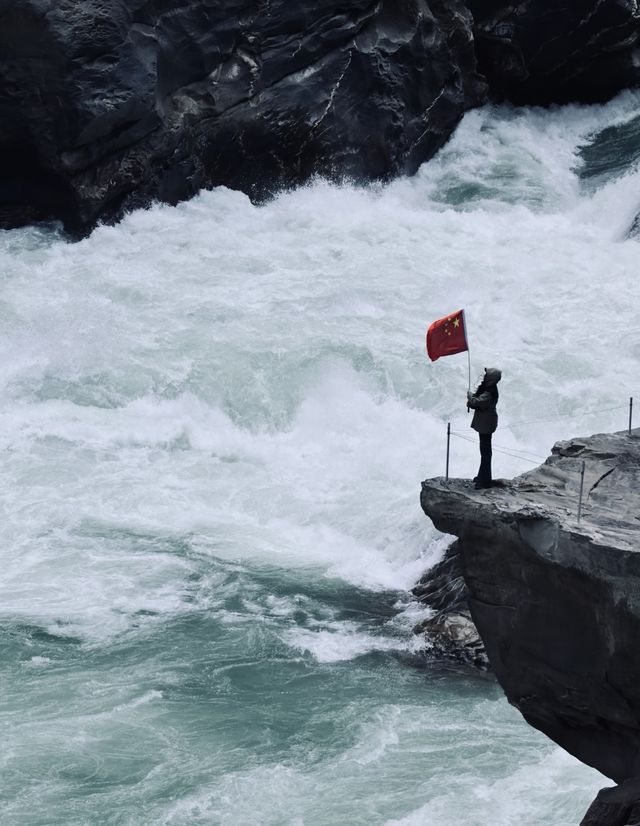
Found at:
[214, 423]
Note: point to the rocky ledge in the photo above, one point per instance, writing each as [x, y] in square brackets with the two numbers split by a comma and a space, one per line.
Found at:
[556, 600]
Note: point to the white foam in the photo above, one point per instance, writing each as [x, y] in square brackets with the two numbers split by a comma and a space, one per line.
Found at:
[346, 641]
[546, 791]
[39, 662]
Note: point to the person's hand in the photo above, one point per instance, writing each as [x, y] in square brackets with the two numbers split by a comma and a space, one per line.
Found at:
[469, 395]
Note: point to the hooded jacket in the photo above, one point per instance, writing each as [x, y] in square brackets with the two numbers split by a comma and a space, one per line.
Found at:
[484, 401]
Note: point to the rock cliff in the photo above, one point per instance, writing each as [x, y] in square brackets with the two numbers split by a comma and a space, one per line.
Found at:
[555, 51]
[557, 600]
[106, 105]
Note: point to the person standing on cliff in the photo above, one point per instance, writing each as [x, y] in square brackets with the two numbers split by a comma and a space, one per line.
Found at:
[485, 420]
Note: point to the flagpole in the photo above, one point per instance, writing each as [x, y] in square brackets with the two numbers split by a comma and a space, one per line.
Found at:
[466, 338]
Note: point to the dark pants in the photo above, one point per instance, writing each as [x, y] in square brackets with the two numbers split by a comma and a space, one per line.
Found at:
[484, 474]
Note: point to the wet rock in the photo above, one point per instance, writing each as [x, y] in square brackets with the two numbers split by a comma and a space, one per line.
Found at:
[454, 637]
[557, 601]
[618, 806]
[451, 632]
[442, 586]
[545, 51]
[108, 104]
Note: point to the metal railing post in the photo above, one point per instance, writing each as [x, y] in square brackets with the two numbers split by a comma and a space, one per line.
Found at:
[630, 413]
[448, 441]
[581, 489]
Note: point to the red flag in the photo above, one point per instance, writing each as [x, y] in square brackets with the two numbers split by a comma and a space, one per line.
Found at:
[447, 336]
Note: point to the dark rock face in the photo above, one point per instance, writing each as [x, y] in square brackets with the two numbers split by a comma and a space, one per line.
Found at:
[556, 51]
[619, 806]
[557, 602]
[451, 631]
[107, 104]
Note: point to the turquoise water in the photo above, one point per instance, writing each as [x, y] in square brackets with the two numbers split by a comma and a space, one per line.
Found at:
[215, 419]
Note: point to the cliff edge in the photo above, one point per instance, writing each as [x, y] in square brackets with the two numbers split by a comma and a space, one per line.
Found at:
[557, 600]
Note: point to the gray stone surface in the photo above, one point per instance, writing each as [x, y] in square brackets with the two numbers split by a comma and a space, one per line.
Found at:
[557, 602]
